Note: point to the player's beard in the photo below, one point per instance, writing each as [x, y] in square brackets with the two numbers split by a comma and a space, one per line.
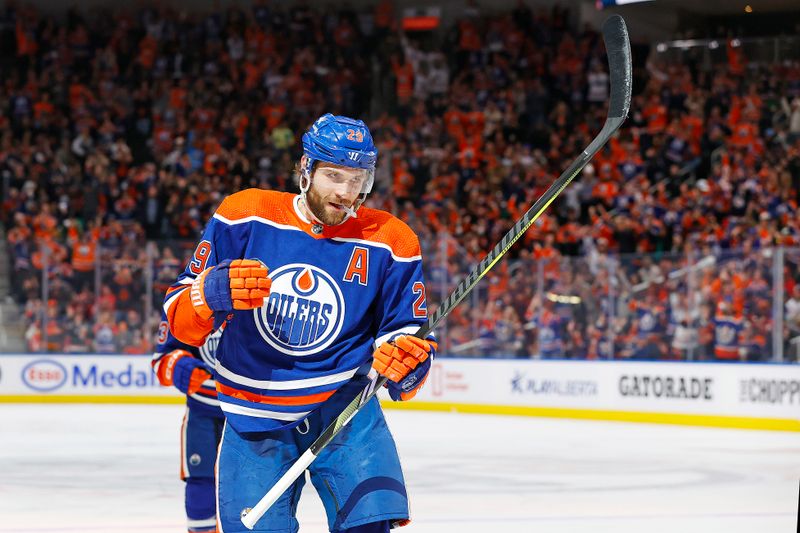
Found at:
[321, 209]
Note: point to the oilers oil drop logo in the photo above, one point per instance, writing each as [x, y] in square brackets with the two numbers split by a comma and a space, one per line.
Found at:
[304, 312]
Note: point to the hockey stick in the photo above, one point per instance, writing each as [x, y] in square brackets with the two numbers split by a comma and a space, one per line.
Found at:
[615, 35]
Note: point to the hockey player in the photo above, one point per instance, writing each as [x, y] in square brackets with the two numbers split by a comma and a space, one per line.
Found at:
[189, 369]
[314, 290]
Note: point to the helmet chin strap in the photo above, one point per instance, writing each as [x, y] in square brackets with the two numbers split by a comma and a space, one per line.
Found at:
[305, 184]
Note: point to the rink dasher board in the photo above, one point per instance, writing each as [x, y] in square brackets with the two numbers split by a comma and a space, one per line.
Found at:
[741, 395]
[756, 396]
[107, 378]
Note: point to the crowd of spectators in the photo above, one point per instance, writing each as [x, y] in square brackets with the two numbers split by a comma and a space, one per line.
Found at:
[123, 130]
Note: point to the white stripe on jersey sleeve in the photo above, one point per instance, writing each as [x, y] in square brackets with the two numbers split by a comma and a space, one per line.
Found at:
[169, 302]
[285, 385]
[407, 330]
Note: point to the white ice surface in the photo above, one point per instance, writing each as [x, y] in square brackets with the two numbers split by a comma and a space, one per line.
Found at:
[114, 469]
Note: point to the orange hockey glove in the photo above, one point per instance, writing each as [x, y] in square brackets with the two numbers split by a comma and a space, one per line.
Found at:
[181, 369]
[406, 361]
[240, 284]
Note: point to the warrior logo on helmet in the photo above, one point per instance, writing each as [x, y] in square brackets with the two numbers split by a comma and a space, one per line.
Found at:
[304, 312]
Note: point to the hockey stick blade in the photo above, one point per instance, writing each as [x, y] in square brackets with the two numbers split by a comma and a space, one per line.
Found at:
[615, 35]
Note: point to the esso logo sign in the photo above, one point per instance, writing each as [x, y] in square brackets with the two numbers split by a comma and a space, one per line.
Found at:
[44, 375]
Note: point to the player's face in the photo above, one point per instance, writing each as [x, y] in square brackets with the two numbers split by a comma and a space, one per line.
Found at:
[331, 188]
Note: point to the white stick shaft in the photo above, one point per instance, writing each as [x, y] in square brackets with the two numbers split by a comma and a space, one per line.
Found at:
[297, 469]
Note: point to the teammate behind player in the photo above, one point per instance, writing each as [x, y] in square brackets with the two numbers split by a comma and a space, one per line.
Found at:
[343, 293]
[189, 370]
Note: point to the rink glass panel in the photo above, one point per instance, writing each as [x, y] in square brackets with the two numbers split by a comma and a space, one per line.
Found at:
[533, 305]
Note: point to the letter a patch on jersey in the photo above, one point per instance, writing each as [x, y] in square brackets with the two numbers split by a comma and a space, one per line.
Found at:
[358, 266]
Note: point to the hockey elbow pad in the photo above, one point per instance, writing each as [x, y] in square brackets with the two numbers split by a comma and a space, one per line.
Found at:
[180, 369]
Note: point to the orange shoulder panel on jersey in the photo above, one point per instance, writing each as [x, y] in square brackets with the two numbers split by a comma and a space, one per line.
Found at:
[185, 324]
[382, 227]
[270, 205]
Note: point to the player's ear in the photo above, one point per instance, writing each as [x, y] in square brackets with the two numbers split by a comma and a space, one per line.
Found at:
[303, 175]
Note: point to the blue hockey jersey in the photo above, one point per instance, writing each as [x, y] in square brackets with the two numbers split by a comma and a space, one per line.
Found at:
[335, 296]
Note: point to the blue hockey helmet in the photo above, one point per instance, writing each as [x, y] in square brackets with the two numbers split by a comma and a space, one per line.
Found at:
[342, 141]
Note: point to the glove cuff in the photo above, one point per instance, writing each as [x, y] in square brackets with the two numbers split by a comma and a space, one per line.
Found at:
[399, 396]
[166, 368]
[411, 385]
[183, 371]
[198, 298]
